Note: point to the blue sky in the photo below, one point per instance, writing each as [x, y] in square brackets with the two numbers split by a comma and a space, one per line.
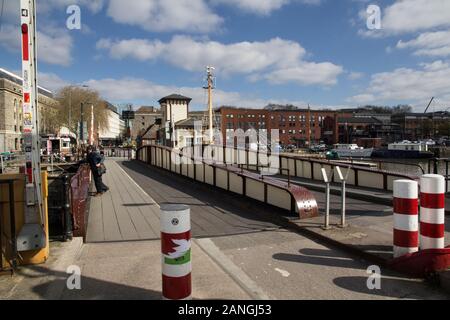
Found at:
[284, 51]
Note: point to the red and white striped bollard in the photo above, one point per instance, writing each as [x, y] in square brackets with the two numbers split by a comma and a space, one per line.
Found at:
[432, 211]
[406, 219]
[176, 251]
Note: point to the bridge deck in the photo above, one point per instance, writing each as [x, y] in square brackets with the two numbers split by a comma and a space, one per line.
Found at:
[127, 212]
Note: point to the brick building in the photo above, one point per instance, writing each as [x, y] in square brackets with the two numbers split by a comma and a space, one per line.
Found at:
[416, 126]
[293, 125]
[11, 121]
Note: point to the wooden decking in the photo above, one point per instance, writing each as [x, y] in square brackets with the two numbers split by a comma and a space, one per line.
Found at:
[123, 213]
[127, 213]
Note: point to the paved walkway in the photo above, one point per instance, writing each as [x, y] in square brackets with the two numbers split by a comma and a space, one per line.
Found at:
[214, 212]
[124, 213]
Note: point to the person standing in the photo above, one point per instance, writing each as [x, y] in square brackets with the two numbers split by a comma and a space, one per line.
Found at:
[95, 162]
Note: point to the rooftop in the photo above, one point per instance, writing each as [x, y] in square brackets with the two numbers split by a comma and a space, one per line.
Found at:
[175, 97]
[147, 109]
[4, 74]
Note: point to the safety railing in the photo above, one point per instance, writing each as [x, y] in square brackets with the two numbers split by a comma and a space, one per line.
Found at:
[289, 197]
[441, 166]
[79, 193]
[307, 168]
[126, 153]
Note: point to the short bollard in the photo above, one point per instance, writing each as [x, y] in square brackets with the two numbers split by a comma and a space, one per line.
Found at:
[432, 211]
[406, 219]
[176, 251]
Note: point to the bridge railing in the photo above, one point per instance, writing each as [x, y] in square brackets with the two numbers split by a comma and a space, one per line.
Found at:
[307, 168]
[292, 198]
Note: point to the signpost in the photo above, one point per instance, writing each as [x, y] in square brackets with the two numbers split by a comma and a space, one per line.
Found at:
[343, 179]
[327, 181]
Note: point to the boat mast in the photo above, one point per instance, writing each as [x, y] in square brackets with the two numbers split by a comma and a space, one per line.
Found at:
[210, 87]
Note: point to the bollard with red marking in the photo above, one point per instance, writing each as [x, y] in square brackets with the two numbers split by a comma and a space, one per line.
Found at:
[432, 211]
[176, 251]
[406, 219]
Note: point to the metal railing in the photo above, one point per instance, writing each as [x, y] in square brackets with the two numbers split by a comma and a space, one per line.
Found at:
[433, 167]
[301, 200]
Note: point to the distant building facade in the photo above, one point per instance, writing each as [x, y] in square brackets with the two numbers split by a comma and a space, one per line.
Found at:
[144, 117]
[11, 120]
[293, 125]
[115, 128]
[417, 126]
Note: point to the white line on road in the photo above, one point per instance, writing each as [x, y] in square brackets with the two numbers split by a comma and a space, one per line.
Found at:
[236, 273]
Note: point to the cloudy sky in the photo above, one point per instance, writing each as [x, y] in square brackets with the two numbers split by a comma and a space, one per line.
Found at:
[284, 51]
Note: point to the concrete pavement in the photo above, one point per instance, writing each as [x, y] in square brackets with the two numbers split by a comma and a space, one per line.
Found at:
[245, 255]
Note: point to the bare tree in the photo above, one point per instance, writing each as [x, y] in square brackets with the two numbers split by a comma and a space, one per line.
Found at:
[70, 100]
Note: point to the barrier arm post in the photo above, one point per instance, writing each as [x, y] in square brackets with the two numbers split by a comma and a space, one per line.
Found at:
[343, 179]
[326, 179]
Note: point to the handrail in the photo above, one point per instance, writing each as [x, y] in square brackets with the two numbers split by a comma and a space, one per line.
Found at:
[305, 208]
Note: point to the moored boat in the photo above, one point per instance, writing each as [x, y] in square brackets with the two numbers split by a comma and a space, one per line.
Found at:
[404, 150]
[351, 151]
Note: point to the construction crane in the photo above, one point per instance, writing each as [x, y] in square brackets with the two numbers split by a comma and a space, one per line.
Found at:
[32, 235]
[421, 122]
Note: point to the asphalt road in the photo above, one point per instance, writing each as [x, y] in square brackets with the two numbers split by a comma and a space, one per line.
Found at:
[286, 265]
[274, 262]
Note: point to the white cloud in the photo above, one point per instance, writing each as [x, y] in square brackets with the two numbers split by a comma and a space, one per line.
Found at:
[165, 15]
[133, 89]
[276, 60]
[308, 73]
[54, 46]
[355, 75]
[408, 85]
[408, 16]
[432, 44]
[262, 7]
[45, 6]
[362, 99]
[51, 81]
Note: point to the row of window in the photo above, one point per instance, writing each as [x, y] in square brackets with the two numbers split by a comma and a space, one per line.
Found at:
[292, 118]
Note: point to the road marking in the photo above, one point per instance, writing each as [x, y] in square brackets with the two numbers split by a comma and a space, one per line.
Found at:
[236, 273]
[239, 276]
[284, 273]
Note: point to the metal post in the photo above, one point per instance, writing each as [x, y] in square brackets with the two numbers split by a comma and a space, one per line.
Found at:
[327, 199]
[68, 233]
[343, 194]
[327, 207]
[2, 168]
[81, 124]
[343, 224]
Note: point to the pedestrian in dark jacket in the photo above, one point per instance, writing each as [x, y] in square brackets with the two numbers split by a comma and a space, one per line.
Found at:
[95, 160]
